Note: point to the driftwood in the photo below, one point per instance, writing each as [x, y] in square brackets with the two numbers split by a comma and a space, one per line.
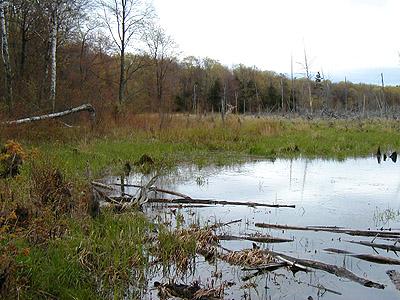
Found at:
[292, 263]
[267, 267]
[335, 270]
[259, 239]
[386, 247]
[216, 202]
[262, 270]
[395, 278]
[85, 107]
[173, 193]
[353, 232]
[367, 257]
[185, 198]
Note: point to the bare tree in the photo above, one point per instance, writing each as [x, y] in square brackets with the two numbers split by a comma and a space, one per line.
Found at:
[63, 16]
[125, 21]
[161, 48]
[309, 77]
[6, 56]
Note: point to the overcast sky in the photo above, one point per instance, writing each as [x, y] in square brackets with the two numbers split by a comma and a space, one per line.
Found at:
[339, 35]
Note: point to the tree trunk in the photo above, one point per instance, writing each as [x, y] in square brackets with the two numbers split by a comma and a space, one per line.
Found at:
[23, 47]
[53, 59]
[85, 107]
[6, 59]
[122, 80]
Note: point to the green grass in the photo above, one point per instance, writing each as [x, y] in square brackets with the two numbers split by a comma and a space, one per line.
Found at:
[207, 142]
[98, 258]
[102, 252]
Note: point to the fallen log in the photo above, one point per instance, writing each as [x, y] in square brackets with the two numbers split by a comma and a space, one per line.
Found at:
[217, 202]
[367, 257]
[386, 247]
[259, 239]
[85, 107]
[332, 269]
[173, 193]
[292, 263]
[262, 270]
[353, 232]
[267, 267]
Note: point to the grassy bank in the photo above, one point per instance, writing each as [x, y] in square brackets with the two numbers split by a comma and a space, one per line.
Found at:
[203, 140]
[47, 235]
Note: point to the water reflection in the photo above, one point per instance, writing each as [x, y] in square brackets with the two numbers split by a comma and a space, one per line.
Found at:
[355, 193]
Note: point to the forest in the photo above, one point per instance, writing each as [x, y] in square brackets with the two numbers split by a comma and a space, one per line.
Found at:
[115, 55]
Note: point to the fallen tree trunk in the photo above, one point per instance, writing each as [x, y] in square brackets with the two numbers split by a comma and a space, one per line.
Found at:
[85, 107]
[376, 245]
[262, 270]
[217, 202]
[155, 189]
[259, 239]
[353, 232]
[332, 269]
[367, 257]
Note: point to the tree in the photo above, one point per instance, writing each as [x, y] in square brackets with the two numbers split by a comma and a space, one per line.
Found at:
[62, 16]
[161, 49]
[125, 21]
[215, 94]
[6, 56]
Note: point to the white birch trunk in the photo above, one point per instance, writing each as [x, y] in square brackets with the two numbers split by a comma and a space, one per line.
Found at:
[53, 59]
[6, 57]
[85, 107]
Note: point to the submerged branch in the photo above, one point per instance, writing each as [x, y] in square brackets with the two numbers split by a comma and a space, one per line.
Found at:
[353, 232]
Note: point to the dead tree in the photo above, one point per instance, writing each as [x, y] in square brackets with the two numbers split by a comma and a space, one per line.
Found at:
[85, 107]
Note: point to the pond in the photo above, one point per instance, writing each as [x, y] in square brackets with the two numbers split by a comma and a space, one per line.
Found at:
[354, 193]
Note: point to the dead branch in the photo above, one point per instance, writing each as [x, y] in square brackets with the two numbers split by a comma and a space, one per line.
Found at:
[367, 257]
[217, 202]
[85, 107]
[377, 245]
[156, 190]
[259, 239]
[262, 270]
[332, 269]
[219, 225]
[292, 263]
[353, 232]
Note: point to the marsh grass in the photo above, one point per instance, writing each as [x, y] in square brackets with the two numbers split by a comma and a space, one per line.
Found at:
[58, 251]
[95, 260]
[202, 141]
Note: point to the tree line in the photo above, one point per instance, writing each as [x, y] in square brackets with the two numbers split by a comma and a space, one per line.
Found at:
[115, 55]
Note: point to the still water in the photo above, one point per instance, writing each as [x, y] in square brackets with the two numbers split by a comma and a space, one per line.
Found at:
[355, 193]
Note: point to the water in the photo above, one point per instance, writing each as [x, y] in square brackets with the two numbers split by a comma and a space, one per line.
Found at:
[355, 193]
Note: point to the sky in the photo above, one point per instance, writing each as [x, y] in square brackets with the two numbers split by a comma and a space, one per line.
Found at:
[340, 36]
